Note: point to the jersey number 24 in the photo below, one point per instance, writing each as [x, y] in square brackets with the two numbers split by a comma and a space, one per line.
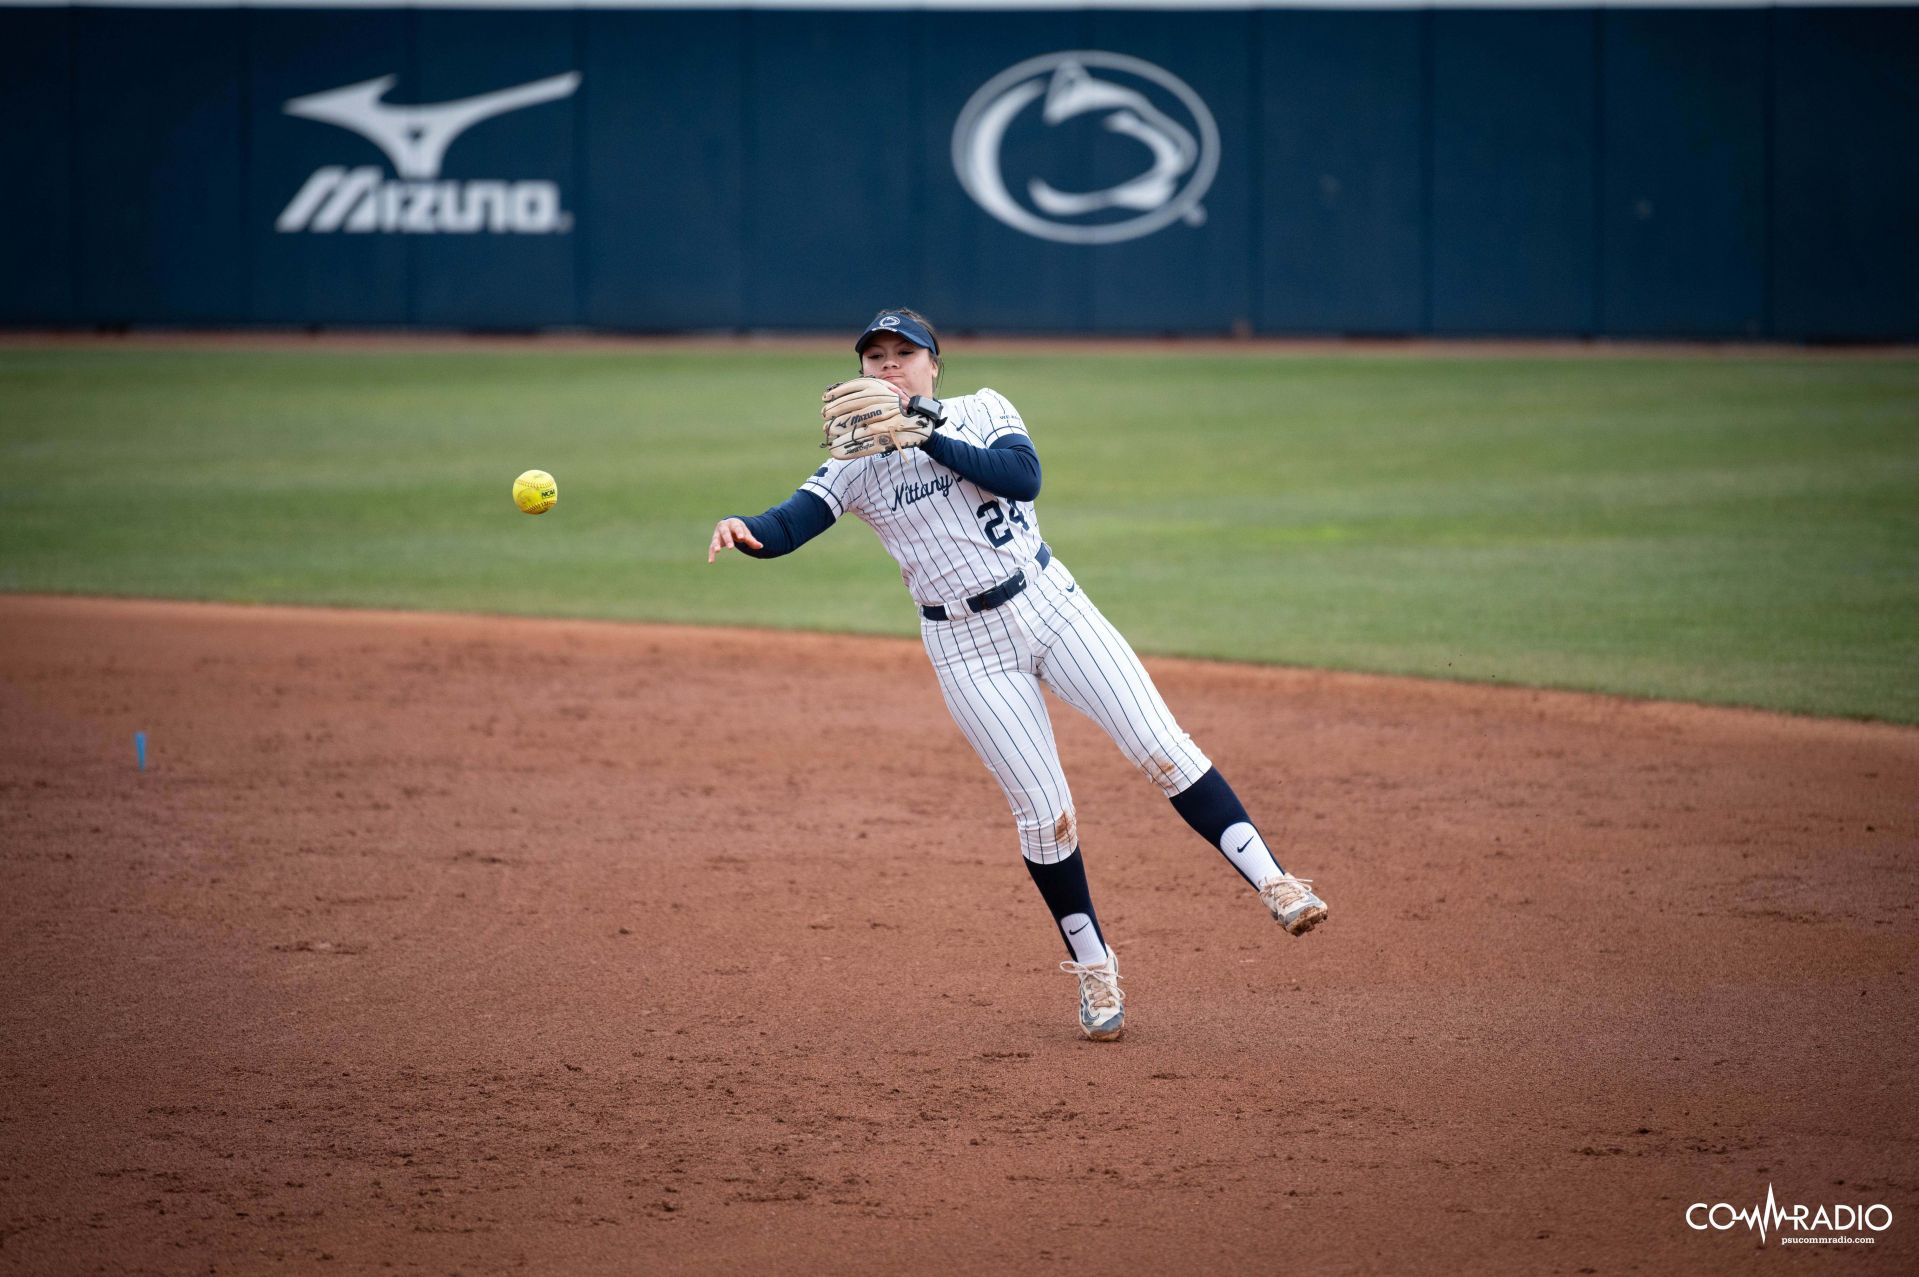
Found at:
[993, 521]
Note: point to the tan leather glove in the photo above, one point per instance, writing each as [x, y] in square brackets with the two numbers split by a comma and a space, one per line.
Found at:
[863, 418]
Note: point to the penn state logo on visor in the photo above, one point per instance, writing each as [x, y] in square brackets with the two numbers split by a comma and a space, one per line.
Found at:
[1109, 148]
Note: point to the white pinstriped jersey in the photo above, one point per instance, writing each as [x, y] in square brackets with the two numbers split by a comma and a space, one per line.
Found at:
[951, 538]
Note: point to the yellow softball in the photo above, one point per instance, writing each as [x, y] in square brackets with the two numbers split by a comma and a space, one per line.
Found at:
[535, 492]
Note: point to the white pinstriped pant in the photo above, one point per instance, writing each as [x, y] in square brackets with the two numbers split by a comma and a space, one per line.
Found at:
[991, 665]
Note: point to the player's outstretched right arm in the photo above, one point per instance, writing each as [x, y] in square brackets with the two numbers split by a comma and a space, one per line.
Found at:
[781, 530]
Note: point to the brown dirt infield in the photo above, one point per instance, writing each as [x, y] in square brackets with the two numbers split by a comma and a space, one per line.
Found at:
[457, 944]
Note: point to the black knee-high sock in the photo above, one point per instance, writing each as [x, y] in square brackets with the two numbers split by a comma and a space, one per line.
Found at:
[1063, 885]
[1214, 811]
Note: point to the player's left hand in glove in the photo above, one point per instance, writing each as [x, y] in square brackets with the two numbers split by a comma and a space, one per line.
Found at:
[865, 416]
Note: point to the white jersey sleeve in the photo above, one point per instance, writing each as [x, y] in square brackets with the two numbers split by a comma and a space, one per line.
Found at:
[840, 484]
[989, 415]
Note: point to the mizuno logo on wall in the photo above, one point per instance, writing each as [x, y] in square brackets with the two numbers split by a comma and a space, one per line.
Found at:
[415, 138]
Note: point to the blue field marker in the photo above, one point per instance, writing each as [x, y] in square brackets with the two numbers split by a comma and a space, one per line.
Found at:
[140, 749]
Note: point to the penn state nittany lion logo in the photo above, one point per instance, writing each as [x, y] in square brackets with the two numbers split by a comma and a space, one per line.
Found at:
[1177, 141]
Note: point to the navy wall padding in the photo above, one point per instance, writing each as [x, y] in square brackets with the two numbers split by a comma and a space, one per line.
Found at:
[1342, 172]
[663, 210]
[159, 157]
[1845, 177]
[36, 153]
[1514, 109]
[1683, 173]
[1708, 173]
[835, 167]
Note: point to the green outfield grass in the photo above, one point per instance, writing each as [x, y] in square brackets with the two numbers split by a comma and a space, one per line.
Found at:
[1717, 529]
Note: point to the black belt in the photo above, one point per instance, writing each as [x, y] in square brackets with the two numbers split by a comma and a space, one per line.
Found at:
[1001, 593]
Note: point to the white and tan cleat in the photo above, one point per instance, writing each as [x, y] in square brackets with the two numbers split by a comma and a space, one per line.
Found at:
[1293, 904]
[1102, 1007]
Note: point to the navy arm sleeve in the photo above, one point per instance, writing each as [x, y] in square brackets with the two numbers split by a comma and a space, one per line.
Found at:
[1010, 468]
[787, 526]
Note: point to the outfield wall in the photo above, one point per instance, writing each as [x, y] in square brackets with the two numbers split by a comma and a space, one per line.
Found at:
[1721, 172]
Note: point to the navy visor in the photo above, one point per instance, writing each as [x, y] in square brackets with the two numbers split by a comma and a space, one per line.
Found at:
[891, 321]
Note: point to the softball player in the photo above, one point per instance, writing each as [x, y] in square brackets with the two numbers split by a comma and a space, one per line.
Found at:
[1001, 617]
